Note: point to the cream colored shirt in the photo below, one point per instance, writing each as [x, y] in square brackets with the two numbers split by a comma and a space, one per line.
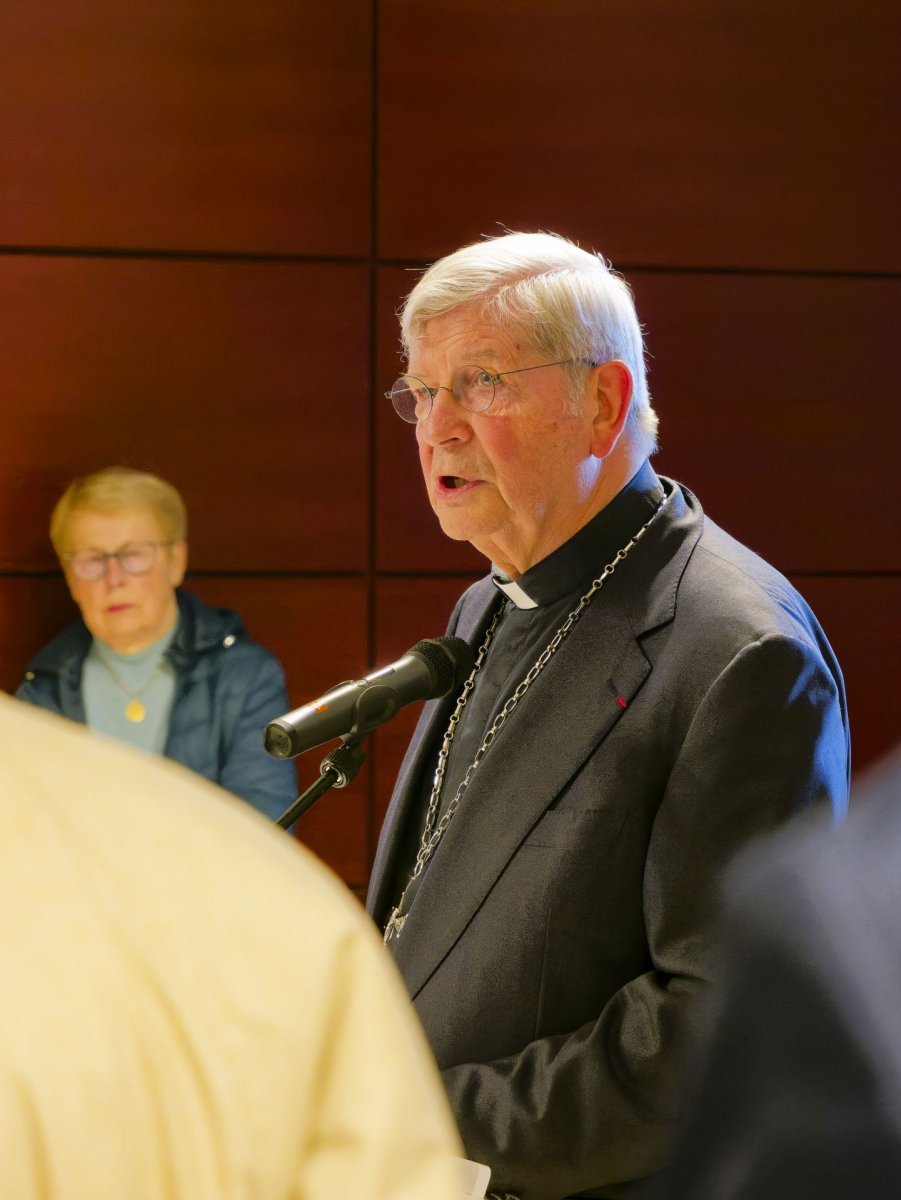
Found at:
[191, 1006]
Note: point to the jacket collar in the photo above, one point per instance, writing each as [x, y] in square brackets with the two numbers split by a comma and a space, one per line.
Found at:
[201, 628]
[573, 565]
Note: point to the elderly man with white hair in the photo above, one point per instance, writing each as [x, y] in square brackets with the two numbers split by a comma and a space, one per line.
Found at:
[647, 696]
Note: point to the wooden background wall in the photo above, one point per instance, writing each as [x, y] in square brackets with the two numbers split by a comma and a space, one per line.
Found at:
[208, 214]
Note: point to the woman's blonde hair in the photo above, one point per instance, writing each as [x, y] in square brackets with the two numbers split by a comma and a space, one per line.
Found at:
[119, 489]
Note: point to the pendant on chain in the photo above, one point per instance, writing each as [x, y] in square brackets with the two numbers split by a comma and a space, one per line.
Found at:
[395, 923]
[135, 710]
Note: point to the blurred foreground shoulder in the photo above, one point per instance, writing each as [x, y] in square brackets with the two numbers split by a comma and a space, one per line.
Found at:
[194, 1006]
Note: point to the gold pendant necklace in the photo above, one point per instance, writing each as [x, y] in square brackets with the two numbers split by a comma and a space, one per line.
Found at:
[135, 711]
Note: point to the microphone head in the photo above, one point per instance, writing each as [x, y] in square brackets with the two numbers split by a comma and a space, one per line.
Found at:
[279, 740]
[450, 659]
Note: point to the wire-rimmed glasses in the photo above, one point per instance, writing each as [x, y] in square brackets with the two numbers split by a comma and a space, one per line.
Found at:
[135, 558]
[472, 386]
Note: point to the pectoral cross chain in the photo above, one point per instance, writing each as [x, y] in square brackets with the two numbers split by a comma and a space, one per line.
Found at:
[395, 923]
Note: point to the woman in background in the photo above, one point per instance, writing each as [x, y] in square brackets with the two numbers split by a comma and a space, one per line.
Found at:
[149, 664]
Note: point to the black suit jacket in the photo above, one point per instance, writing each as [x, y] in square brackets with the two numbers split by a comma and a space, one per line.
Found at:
[560, 932]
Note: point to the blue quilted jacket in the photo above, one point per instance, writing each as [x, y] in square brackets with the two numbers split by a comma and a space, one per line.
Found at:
[227, 689]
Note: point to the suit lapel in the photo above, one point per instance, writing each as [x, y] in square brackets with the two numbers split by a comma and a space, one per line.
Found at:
[571, 707]
[542, 745]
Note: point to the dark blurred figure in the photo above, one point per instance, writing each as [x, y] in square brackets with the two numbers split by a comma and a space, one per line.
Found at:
[800, 1095]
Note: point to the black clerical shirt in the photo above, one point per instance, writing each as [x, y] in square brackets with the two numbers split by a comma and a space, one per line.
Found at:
[533, 609]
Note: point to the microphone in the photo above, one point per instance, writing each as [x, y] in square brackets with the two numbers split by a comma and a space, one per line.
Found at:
[431, 668]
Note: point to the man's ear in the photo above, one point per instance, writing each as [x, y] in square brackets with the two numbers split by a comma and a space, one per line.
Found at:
[611, 384]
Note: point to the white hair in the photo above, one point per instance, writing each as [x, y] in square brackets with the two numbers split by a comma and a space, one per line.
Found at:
[567, 302]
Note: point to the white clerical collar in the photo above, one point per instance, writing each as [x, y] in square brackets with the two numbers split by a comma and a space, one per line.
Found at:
[513, 591]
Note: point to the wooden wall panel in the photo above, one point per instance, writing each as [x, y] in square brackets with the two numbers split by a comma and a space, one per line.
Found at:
[218, 375]
[316, 627]
[192, 178]
[33, 609]
[319, 630]
[776, 404]
[750, 134]
[186, 125]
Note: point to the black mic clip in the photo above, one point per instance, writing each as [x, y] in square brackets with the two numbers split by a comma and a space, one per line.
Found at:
[336, 770]
[376, 705]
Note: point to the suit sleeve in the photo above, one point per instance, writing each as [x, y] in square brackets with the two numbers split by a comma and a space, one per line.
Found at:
[596, 1106]
[267, 783]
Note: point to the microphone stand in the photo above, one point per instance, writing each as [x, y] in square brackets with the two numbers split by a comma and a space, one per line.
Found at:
[336, 770]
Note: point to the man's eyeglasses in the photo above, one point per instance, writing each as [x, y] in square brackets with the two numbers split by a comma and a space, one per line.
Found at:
[135, 558]
[472, 387]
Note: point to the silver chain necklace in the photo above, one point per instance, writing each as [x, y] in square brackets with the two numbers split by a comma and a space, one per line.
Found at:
[433, 833]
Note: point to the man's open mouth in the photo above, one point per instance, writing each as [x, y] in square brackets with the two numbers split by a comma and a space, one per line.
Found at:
[453, 481]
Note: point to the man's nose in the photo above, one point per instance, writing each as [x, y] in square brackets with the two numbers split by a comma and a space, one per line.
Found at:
[447, 419]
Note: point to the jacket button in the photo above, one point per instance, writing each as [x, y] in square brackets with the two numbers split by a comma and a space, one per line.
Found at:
[29, 675]
[229, 641]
